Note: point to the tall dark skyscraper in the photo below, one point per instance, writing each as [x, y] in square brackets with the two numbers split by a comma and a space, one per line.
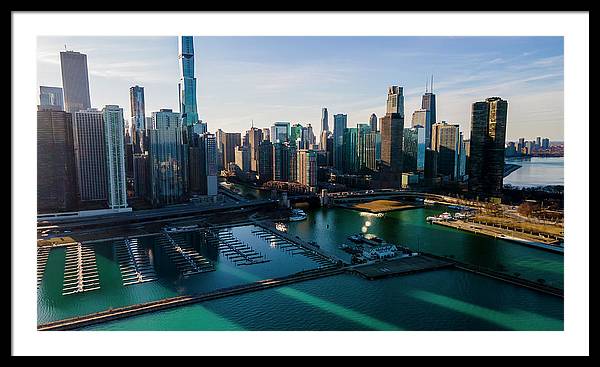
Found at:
[187, 82]
[138, 118]
[428, 103]
[340, 122]
[56, 184]
[486, 152]
[76, 87]
[324, 119]
[392, 127]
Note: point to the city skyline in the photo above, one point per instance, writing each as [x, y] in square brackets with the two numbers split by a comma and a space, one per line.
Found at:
[272, 80]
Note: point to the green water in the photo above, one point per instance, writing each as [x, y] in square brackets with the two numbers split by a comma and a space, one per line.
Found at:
[331, 227]
[437, 300]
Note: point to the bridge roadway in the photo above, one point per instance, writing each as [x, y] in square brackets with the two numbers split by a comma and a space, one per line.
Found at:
[167, 303]
[152, 214]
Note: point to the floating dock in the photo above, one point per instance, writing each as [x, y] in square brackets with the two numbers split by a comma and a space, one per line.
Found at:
[134, 263]
[186, 259]
[405, 265]
[291, 247]
[81, 272]
[42, 259]
[234, 249]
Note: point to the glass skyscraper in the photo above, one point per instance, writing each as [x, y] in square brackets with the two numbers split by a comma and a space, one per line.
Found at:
[187, 82]
[52, 97]
[339, 124]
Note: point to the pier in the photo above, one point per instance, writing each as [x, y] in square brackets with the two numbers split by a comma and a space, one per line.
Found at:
[233, 248]
[290, 247]
[134, 263]
[186, 259]
[81, 272]
[402, 266]
[524, 238]
[153, 306]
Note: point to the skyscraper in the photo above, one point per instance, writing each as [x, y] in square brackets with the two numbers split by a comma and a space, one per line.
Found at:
[324, 119]
[422, 118]
[281, 161]
[391, 127]
[339, 124]
[265, 161]
[445, 140]
[428, 103]
[395, 101]
[75, 81]
[488, 135]
[367, 143]
[56, 178]
[307, 167]
[350, 162]
[187, 82]
[413, 149]
[208, 164]
[138, 118]
[115, 156]
[254, 140]
[166, 158]
[90, 155]
[373, 122]
[280, 132]
[51, 97]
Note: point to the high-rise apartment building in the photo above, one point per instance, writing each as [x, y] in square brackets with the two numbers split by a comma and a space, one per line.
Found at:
[445, 140]
[138, 118]
[90, 155]
[307, 167]
[56, 177]
[51, 97]
[488, 135]
[115, 156]
[76, 87]
[166, 158]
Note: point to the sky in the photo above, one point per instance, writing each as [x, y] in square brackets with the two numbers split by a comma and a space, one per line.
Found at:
[268, 79]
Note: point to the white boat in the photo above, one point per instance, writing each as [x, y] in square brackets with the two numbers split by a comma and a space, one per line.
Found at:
[297, 215]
